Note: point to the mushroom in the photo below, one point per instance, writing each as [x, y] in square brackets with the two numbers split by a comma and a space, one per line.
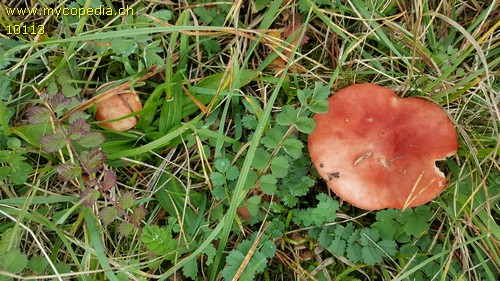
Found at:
[376, 150]
[117, 106]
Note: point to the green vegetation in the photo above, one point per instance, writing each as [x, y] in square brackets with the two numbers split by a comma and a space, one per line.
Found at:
[215, 181]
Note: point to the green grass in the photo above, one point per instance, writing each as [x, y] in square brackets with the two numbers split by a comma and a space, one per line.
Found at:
[215, 181]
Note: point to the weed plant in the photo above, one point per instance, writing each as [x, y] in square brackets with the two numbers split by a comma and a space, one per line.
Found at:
[215, 181]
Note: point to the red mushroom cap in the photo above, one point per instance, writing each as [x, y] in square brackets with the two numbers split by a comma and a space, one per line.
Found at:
[117, 106]
[376, 150]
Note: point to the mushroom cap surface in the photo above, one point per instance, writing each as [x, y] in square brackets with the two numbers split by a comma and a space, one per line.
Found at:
[376, 150]
[116, 106]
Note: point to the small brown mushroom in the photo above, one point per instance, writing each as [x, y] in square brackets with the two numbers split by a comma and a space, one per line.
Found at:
[376, 150]
[117, 106]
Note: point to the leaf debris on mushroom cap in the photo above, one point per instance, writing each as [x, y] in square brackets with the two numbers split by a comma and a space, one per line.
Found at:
[376, 150]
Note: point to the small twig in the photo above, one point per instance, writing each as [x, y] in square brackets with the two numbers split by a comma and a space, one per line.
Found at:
[322, 267]
[106, 94]
[250, 253]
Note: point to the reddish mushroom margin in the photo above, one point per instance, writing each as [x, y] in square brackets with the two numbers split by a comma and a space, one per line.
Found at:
[376, 150]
